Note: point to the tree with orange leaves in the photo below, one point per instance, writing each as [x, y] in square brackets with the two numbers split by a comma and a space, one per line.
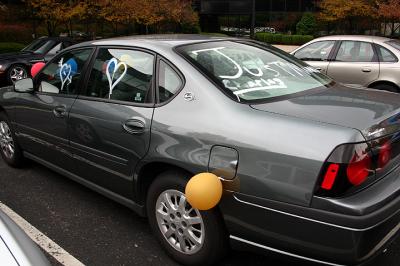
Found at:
[390, 11]
[344, 10]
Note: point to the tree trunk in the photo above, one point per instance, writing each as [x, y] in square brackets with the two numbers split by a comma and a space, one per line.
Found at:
[384, 30]
[392, 28]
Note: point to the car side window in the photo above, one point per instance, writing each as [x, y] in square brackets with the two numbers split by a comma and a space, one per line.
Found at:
[55, 49]
[62, 75]
[169, 82]
[317, 51]
[121, 74]
[354, 51]
[385, 55]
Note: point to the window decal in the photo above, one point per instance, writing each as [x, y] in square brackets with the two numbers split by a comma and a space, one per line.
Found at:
[67, 71]
[113, 67]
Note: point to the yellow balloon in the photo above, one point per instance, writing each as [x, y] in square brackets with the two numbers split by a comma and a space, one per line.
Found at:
[128, 60]
[204, 191]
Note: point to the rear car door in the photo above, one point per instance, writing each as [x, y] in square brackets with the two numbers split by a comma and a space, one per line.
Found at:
[110, 122]
[316, 54]
[42, 116]
[356, 64]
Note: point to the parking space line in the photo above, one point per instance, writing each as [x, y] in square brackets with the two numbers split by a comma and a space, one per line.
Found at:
[57, 252]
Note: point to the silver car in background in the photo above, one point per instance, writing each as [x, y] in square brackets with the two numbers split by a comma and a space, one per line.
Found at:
[357, 61]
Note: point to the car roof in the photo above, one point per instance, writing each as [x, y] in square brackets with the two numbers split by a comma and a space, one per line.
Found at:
[162, 40]
[367, 38]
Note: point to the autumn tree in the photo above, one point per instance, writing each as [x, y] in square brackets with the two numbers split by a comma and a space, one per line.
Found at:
[51, 12]
[390, 11]
[344, 10]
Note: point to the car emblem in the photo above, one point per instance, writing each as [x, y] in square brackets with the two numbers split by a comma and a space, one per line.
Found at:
[188, 96]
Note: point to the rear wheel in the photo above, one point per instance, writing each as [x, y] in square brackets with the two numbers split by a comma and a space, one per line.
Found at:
[9, 148]
[190, 236]
[386, 87]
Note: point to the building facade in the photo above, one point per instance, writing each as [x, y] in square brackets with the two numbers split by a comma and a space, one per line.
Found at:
[279, 14]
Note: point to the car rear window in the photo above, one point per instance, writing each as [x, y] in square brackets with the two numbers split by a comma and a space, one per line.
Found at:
[394, 43]
[253, 73]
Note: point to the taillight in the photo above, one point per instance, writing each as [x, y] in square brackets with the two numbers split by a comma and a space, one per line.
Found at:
[351, 167]
[358, 169]
[384, 154]
[330, 176]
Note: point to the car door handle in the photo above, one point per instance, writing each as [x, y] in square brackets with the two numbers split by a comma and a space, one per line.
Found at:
[318, 68]
[366, 70]
[135, 125]
[60, 111]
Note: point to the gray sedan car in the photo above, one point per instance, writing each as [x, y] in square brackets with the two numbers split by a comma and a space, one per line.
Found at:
[309, 167]
[367, 61]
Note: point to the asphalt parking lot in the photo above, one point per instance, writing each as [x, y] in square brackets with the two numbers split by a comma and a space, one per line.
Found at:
[98, 231]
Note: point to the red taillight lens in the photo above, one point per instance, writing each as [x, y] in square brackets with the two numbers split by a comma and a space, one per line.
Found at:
[358, 169]
[330, 176]
[384, 155]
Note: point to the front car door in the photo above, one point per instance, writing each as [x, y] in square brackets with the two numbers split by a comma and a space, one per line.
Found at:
[316, 54]
[110, 122]
[356, 64]
[42, 116]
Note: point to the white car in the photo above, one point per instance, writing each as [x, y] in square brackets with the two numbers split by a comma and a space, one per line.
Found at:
[16, 248]
[356, 61]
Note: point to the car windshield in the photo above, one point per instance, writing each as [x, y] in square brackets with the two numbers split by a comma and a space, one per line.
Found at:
[394, 43]
[251, 72]
[40, 46]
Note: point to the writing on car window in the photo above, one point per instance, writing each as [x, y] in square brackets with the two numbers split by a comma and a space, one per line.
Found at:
[251, 73]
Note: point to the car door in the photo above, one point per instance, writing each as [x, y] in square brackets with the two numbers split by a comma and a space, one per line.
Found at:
[355, 64]
[42, 116]
[110, 122]
[316, 54]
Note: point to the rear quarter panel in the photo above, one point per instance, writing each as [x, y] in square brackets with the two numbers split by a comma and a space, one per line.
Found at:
[279, 156]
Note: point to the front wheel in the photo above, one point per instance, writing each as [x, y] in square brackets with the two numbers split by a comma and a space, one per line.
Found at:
[189, 236]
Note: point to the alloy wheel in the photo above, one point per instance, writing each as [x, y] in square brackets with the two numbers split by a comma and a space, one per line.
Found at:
[6, 140]
[181, 224]
[18, 73]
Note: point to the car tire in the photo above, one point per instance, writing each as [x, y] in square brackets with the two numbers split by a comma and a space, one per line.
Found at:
[16, 72]
[386, 87]
[9, 148]
[205, 242]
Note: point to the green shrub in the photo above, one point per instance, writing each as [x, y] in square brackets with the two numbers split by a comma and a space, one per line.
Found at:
[283, 38]
[307, 25]
[296, 39]
[277, 38]
[8, 47]
[287, 39]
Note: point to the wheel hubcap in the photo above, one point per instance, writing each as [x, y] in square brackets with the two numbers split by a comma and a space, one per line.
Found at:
[181, 225]
[6, 140]
[18, 73]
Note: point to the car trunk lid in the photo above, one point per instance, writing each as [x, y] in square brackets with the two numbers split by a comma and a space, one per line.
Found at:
[374, 113]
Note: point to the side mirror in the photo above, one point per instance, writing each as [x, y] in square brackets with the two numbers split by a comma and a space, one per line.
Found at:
[24, 85]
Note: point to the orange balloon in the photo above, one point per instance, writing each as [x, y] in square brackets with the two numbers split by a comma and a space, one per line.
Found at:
[204, 191]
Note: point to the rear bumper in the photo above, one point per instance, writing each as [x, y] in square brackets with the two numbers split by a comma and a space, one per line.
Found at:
[327, 237]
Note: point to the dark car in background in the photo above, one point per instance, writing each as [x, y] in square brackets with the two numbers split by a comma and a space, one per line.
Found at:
[310, 168]
[16, 66]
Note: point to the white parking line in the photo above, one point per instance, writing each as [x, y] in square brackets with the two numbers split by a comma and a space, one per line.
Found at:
[41, 239]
